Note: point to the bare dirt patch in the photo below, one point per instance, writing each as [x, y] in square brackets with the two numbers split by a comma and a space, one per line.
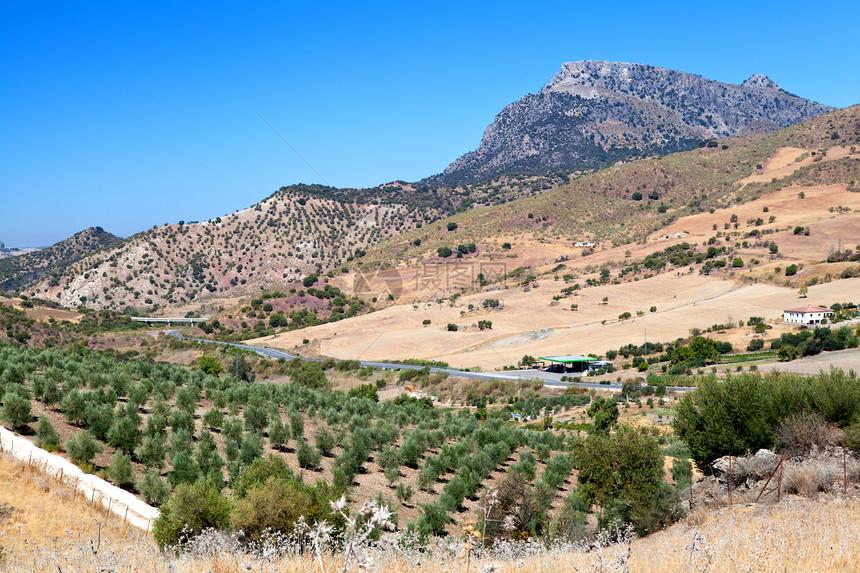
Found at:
[811, 365]
[787, 160]
[683, 302]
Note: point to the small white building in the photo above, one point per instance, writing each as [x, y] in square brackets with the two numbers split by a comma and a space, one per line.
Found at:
[807, 314]
[674, 236]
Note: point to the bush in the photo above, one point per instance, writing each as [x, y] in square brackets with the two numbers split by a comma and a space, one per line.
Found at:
[325, 441]
[276, 506]
[791, 270]
[404, 492]
[725, 418]
[366, 391]
[16, 410]
[152, 487]
[82, 447]
[797, 435]
[681, 470]
[432, 520]
[307, 456]
[119, 469]
[279, 433]
[625, 471]
[190, 509]
[755, 344]
[123, 434]
[452, 327]
[813, 476]
[741, 413]
[46, 436]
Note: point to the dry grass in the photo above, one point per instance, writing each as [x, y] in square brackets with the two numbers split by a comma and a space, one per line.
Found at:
[45, 527]
[683, 302]
[48, 531]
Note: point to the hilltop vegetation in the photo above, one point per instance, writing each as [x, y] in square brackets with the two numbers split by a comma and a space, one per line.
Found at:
[23, 270]
[297, 231]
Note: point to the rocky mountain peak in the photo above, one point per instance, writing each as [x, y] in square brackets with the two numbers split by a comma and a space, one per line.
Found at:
[594, 113]
[760, 81]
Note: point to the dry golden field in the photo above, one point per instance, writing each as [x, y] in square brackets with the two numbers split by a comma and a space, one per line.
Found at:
[529, 322]
[529, 325]
[796, 535]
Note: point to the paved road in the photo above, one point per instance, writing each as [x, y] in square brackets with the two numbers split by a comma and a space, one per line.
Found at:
[519, 375]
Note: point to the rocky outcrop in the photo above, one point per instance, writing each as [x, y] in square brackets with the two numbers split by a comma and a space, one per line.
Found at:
[819, 471]
[594, 113]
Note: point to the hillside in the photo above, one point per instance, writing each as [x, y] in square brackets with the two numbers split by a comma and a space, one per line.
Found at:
[594, 113]
[20, 271]
[282, 238]
[298, 230]
[734, 233]
[623, 204]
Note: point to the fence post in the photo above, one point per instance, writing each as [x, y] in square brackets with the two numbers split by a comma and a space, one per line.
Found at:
[844, 472]
[690, 477]
[730, 480]
[125, 517]
[773, 473]
[779, 488]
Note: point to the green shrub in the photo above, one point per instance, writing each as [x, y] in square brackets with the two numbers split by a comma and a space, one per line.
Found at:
[432, 520]
[16, 410]
[325, 441]
[46, 436]
[275, 506]
[190, 509]
[82, 447]
[279, 433]
[367, 391]
[152, 487]
[307, 456]
[119, 469]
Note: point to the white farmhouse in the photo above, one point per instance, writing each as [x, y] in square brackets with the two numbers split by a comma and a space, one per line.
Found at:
[806, 314]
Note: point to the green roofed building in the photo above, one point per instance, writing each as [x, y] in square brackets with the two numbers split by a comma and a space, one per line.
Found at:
[570, 363]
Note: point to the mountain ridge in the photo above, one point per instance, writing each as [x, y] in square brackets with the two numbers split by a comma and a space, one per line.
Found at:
[594, 113]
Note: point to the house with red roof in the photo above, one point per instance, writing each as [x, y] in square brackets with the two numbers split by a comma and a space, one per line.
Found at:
[807, 314]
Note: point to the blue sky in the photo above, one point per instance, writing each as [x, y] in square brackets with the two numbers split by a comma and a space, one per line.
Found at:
[133, 114]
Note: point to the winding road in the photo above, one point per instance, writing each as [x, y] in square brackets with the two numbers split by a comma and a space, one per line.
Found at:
[272, 353]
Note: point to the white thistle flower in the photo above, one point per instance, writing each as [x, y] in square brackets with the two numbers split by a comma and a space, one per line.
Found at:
[339, 505]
